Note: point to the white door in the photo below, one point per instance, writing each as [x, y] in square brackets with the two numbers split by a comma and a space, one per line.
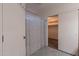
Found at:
[0, 29]
[34, 30]
[68, 32]
[13, 30]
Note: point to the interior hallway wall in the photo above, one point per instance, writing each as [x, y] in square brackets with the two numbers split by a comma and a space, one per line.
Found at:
[34, 32]
[68, 32]
[51, 10]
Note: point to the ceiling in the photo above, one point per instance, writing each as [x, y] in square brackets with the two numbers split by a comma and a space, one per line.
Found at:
[39, 7]
[34, 7]
[48, 9]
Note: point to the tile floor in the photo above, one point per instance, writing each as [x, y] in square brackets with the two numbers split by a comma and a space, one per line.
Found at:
[47, 51]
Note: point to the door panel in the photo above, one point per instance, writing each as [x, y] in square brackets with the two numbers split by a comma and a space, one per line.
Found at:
[68, 32]
[13, 30]
[0, 29]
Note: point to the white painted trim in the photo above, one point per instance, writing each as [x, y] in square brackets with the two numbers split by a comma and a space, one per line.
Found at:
[46, 31]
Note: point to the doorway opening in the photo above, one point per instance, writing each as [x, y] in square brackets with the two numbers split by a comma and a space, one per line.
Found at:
[53, 31]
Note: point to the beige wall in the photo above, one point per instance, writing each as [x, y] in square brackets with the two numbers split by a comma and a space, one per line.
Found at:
[68, 26]
[34, 32]
[68, 32]
[53, 32]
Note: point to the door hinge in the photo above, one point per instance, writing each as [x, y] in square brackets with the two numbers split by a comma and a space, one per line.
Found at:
[2, 38]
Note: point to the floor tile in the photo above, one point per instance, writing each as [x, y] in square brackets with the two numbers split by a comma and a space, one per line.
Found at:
[47, 51]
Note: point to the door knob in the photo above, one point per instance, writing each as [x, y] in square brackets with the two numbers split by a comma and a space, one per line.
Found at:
[24, 37]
